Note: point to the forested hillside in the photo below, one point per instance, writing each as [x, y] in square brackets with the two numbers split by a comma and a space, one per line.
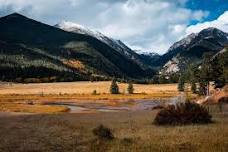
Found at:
[30, 49]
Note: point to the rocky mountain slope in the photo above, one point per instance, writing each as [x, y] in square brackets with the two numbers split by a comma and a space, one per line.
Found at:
[191, 49]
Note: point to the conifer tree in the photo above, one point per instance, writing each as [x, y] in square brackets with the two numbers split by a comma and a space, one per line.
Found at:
[114, 89]
[193, 87]
[191, 77]
[205, 73]
[130, 88]
[181, 83]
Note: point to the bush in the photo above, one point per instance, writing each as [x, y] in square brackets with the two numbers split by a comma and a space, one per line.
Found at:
[127, 141]
[29, 102]
[183, 113]
[114, 89]
[94, 92]
[103, 132]
[130, 88]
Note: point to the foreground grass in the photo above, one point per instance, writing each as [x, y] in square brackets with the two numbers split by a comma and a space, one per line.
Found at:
[133, 131]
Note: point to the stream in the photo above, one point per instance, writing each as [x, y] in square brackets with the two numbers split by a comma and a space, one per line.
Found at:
[116, 106]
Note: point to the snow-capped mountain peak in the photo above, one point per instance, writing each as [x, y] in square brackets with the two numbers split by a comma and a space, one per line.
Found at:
[115, 44]
[77, 28]
[184, 42]
[70, 25]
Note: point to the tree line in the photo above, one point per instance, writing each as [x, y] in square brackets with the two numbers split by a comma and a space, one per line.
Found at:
[213, 69]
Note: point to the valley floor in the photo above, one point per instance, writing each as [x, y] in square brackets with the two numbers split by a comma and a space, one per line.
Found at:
[84, 88]
[33, 98]
[133, 131]
[28, 124]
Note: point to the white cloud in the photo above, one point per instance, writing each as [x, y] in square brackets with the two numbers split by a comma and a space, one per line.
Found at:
[220, 23]
[151, 25]
[148, 25]
[199, 15]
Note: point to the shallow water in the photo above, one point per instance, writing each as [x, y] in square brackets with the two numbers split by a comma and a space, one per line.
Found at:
[108, 106]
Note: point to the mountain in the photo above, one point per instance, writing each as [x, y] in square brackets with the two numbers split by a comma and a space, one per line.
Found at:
[117, 45]
[30, 49]
[191, 49]
[37, 52]
[151, 59]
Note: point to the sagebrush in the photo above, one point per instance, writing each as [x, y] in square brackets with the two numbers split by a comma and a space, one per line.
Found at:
[183, 113]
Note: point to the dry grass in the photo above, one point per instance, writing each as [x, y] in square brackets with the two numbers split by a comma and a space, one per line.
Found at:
[83, 97]
[82, 91]
[13, 97]
[25, 108]
[133, 131]
[82, 88]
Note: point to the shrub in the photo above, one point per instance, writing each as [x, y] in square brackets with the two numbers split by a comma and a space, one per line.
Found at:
[130, 88]
[127, 141]
[221, 102]
[29, 102]
[225, 88]
[183, 113]
[94, 92]
[103, 132]
[114, 89]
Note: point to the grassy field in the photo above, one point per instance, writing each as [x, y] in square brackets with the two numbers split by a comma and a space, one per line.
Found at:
[14, 97]
[133, 131]
[26, 108]
[81, 88]
[52, 130]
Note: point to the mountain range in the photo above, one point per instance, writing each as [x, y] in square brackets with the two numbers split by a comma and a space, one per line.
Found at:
[191, 49]
[34, 51]
[117, 45]
[30, 49]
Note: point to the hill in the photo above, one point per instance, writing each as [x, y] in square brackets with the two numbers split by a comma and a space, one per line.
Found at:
[30, 49]
[117, 45]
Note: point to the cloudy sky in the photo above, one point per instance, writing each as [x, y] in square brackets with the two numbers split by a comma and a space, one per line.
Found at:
[147, 25]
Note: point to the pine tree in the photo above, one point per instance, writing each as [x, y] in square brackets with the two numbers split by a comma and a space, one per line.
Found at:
[181, 83]
[193, 87]
[205, 73]
[130, 88]
[219, 66]
[114, 89]
[191, 77]
[202, 88]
